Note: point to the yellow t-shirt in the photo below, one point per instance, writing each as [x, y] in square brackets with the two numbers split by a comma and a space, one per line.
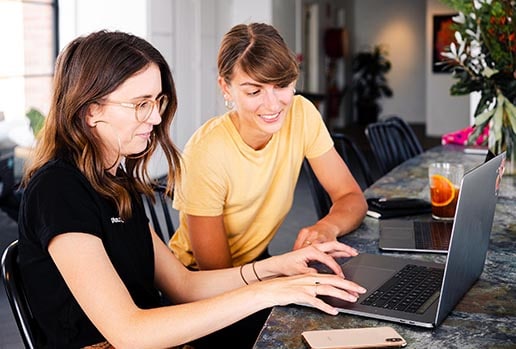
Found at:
[252, 189]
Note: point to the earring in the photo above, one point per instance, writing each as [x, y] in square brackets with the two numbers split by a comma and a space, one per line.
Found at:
[294, 91]
[229, 104]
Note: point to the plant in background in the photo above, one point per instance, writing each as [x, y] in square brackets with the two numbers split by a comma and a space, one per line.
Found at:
[483, 59]
[37, 119]
[369, 83]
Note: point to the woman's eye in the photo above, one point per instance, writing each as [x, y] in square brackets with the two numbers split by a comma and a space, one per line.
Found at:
[144, 105]
[253, 93]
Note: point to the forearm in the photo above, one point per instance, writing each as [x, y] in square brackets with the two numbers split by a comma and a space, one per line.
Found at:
[346, 213]
[224, 280]
[175, 325]
[203, 284]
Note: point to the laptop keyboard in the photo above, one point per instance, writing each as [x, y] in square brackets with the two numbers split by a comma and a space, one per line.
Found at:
[413, 289]
[432, 235]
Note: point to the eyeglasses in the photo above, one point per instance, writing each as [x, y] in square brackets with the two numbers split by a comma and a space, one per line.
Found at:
[144, 108]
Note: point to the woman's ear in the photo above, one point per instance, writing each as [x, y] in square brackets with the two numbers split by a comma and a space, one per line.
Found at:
[224, 87]
[93, 114]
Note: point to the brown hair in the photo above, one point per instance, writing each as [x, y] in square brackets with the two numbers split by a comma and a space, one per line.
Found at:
[260, 51]
[87, 70]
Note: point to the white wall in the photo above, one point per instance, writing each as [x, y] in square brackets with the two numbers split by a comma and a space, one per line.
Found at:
[284, 17]
[79, 17]
[399, 26]
[247, 11]
[189, 33]
[444, 113]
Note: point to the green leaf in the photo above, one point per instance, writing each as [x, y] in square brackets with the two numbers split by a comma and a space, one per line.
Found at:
[484, 117]
[477, 131]
[511, 113]
[498, 118]
[37, 119]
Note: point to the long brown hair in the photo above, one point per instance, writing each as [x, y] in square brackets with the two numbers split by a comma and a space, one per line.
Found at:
[87, 70]
[260, 51]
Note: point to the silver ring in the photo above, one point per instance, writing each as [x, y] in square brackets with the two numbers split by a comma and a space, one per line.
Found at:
[317, 283]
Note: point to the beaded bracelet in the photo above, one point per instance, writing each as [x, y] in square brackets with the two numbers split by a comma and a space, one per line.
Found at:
[242, 274]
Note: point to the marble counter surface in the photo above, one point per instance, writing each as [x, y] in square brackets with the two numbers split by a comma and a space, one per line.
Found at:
[484, 318]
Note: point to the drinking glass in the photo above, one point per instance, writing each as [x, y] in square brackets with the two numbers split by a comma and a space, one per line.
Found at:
[444, 182]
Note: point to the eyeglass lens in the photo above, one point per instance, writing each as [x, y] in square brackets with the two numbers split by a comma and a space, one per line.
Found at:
[144, 108]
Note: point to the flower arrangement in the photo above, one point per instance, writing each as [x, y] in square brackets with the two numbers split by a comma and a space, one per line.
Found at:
[483, 59]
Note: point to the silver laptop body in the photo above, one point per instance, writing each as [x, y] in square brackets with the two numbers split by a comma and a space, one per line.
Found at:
[464, 262]
[415, 235]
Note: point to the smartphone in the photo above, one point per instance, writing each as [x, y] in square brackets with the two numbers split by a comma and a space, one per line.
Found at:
[368, 337]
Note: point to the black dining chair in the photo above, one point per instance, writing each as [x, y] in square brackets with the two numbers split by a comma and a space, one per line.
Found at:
[321, 199]
[357, 163]
[160, 211]
[392, 142]
[14, 288]
[354, 158]
[413, 142]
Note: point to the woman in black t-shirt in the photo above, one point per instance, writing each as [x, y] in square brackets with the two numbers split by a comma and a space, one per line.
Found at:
[92, 266]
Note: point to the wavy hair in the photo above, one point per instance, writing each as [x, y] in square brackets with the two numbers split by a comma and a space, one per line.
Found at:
[87, 70]
[260, 51]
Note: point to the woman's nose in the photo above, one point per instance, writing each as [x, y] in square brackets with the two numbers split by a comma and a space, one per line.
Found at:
[271, 100]
[155, 117]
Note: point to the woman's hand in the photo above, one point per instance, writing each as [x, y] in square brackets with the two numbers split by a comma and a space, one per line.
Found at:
[304, 289]
[314, 234]
[297, 262]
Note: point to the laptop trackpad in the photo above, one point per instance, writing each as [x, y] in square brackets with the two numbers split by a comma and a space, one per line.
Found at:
[397, 234]
[367, 276]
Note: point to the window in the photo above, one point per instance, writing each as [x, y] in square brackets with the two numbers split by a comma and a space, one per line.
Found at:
[29, 48]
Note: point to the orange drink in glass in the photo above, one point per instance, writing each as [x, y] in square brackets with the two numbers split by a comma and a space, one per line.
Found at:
[444, 182]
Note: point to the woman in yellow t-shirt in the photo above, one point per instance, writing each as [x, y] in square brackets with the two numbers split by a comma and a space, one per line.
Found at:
[241, 168]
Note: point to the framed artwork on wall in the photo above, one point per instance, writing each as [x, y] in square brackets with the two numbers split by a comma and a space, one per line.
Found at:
[443, 36]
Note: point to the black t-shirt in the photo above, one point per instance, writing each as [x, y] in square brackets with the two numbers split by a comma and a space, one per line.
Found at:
[58, 200]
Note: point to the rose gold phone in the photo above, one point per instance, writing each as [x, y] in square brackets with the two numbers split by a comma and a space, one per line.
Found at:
[369, 337]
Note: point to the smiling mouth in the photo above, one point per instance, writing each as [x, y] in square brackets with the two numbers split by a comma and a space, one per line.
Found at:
[145, 134]
[270, 117]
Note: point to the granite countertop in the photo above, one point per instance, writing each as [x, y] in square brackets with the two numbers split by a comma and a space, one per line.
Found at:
[485, 317]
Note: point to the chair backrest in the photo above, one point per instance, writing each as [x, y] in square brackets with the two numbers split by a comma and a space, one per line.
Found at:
[413, 142]
[357, 164]
[321, 199]
[392, 142]
[160, 212]
[354, 158]
[16, 295]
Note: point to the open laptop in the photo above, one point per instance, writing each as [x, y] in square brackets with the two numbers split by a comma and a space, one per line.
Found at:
[417, 235]
[443, 285]
[423, 235]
